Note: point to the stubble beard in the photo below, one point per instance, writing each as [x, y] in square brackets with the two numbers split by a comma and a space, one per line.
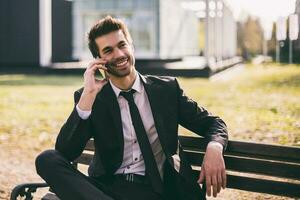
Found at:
[122, 73]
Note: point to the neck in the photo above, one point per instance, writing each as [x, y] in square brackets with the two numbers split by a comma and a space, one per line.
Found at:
[124, 83]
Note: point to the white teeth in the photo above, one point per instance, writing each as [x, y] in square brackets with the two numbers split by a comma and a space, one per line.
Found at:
[122, 63]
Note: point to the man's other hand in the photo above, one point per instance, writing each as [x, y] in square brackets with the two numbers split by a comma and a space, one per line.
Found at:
[213, 169]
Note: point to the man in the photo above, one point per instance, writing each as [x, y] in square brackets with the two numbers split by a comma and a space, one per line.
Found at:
[133, 120]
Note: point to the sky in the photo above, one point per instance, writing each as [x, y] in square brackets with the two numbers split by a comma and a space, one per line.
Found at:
[267, 10]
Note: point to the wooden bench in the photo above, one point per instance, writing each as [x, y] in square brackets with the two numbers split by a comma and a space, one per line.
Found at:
[270, 169]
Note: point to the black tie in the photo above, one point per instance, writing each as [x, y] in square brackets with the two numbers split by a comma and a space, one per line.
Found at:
[150, 163]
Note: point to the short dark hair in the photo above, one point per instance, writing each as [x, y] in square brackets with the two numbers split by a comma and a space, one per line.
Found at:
[105, 26]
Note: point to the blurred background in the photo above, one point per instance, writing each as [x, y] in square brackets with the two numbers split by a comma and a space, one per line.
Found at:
[238, 58]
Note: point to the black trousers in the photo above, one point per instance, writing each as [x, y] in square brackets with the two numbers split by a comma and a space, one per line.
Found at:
[70, 184]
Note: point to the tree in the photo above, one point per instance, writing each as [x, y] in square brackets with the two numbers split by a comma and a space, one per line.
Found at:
[272, 43]
[250, 38]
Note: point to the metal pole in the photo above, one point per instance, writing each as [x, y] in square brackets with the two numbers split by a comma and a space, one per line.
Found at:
[222, 32]
[216, 35]
[206, 50]
[291, 52]
[277, 52]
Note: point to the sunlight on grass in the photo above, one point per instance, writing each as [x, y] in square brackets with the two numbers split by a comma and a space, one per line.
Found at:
[260, 104]
[35, 106]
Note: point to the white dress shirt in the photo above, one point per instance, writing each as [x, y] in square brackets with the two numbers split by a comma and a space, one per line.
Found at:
[132, 158]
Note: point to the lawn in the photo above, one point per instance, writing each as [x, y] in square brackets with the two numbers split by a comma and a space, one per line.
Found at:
[261, 103]
[35, 105]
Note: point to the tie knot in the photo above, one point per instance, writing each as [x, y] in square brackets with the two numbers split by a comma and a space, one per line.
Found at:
[128, 95]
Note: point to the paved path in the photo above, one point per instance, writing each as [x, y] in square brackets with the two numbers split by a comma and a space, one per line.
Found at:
[228, 74]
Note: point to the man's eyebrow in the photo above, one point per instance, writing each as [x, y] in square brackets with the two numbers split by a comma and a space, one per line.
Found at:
[109, 47]
[106, 48]
[122, 41]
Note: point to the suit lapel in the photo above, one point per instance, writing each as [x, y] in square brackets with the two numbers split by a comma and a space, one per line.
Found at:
[154, 92]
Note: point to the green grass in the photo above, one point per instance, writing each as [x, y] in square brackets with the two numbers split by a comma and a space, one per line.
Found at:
[35, 105]
[261, 104]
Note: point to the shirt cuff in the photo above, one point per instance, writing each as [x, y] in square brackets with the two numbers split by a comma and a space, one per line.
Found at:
[215, 143]
[83, 114]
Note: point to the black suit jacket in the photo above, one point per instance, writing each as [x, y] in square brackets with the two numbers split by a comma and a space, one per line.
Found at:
[170, 107]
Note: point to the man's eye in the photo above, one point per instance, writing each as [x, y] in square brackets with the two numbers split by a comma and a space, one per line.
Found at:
[123, 45]
[107, 51]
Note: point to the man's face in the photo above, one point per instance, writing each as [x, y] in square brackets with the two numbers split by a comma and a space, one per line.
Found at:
[114, 48]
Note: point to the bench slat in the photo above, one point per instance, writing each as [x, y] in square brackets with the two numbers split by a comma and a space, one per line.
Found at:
[239, 182]
[90, 146]
[247, 148]
[263, 151]
[250, 165]
[285, 170]
[84, 159]
[261, 185]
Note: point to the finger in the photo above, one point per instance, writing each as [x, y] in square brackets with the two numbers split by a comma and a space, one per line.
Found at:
[100, 61]
[90, 72]
[97, 62]
[201, 177]
[101, 81]
[220, 182]
[215, 185]
[208, 185]
[92, 69]
[101, 67]
[97, 67]
[224, 179]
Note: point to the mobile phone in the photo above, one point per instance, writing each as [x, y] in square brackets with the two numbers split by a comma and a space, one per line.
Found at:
[102, 72]
[109, 66]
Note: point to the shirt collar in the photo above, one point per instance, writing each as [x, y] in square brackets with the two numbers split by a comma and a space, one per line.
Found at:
[137, 85]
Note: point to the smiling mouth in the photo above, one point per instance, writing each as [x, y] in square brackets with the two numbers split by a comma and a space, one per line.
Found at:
[121, 63]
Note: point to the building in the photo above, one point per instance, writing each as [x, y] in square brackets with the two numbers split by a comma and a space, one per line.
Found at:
[297, 11]
[42, 32]
[218, 28]
[34, 33]
[159, 28]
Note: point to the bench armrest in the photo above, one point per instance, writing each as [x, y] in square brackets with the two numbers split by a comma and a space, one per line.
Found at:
[26, 190]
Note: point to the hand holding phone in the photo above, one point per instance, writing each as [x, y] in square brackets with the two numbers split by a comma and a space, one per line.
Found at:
[92, 82]
[92, 85]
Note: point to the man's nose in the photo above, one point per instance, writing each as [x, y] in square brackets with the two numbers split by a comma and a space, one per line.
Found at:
[118, 53]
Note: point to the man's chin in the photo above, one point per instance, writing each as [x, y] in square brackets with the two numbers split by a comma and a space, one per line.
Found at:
[120, 74]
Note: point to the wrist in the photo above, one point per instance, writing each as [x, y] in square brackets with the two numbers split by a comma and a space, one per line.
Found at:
[83, 114]
[215, 145]
[86, 100]
[89, 92]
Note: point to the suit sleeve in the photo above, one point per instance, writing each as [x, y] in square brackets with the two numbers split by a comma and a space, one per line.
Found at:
[74, 134]
[198, 120]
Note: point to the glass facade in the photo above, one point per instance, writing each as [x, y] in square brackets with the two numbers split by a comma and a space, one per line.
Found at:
[137, 14]
[159, 28]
